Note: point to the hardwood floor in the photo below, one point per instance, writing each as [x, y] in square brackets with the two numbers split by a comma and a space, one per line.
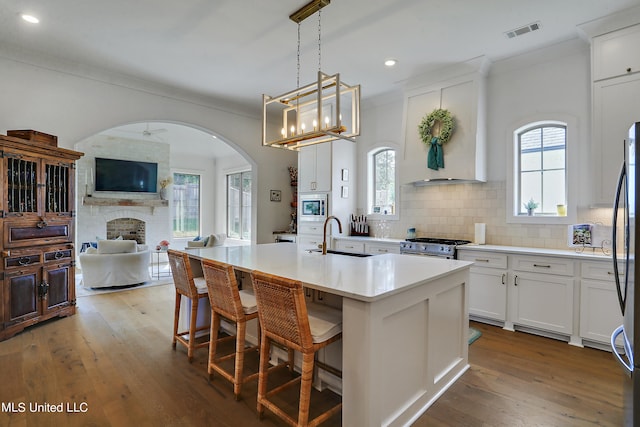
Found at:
[114, 359]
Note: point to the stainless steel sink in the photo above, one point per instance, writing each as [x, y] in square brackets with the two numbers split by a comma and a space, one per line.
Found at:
[331, 251]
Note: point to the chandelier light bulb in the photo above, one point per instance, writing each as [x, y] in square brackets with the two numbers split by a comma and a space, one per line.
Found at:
[30, 18]
[315, 124]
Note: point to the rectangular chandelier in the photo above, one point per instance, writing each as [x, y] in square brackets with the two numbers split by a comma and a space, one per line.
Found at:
[323, 111]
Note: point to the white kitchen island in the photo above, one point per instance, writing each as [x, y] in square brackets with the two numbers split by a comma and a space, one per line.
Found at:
[405, 323]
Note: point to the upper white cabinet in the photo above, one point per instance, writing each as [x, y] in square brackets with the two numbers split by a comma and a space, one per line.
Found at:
[314, 168]
[616, 53]
[615, 68]
[465, 152]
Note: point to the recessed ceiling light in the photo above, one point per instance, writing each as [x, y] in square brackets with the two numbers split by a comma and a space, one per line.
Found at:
[390, 62]
[30, 18]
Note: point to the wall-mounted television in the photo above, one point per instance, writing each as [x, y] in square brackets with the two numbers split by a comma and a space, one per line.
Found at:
[126, 175]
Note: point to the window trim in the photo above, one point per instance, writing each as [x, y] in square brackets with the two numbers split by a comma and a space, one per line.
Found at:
[187, 172]
[571, 164]
[228, 173]
[371, 190]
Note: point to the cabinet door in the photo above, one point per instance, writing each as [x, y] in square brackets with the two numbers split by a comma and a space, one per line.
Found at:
[543, 301]
[22, 299]
[616, 53]
[22, 197]
[488, 293]
[599, 310]
[615, 108]
[37, 232]
[57, 189]
[314, 168]
[59, 282]
[309, 242]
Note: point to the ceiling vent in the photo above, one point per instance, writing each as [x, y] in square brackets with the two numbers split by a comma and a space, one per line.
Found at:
[523, 30]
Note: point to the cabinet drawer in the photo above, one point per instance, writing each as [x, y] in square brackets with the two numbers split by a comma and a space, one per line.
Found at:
[27, 233]
[484, 259]
[600, 270]
[22, 259]
[61, 254]
[315, 228]
[544, 265]
[376, 249]
[349, 246]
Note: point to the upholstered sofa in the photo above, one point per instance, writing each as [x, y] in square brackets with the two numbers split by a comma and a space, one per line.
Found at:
[208, 241]
[115, 263]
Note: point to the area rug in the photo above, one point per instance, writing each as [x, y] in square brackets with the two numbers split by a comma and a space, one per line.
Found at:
[474, 334]
[81, 291]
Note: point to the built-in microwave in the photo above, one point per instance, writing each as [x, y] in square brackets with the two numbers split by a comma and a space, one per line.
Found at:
[312, 207]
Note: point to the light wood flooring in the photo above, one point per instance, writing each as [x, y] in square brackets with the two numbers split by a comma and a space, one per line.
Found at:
[115, 357]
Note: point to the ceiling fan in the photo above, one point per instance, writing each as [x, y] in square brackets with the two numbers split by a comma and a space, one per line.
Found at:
[151, 132]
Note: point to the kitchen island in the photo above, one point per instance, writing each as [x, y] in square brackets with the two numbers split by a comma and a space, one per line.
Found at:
[405, 323]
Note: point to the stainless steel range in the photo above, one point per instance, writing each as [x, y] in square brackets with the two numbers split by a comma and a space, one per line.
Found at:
[427, 246]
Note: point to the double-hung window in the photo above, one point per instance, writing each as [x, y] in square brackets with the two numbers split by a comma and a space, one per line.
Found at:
[239, 205]
[186, 205]
[382, 182]
[541, 178]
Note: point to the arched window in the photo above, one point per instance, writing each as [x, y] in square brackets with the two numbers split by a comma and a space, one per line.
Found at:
[540, 160]
[382, 182]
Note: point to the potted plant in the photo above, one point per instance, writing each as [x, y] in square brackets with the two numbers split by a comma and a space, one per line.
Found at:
[530, 206]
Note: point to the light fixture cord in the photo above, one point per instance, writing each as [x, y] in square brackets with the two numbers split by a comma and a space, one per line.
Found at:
[319, 40]
[298, 60]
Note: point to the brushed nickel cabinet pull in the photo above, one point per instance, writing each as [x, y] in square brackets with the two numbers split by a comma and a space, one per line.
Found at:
[542, 265]
[504, 276]
[481, 260]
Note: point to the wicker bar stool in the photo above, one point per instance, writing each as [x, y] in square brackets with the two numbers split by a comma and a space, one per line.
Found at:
[193, 288]
[237, 306]
[284, 319]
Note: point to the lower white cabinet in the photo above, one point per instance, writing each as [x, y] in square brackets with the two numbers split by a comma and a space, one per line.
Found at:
[543, 301]
[599, 308]
[348, 246]
[487, 285]
[381, 248]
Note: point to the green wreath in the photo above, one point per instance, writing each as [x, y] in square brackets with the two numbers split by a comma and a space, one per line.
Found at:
[435, 158]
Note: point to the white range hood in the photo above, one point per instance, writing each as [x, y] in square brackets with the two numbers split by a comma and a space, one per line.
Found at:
[465, 153]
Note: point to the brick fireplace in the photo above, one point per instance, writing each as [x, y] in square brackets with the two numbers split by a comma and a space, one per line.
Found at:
[128, 228]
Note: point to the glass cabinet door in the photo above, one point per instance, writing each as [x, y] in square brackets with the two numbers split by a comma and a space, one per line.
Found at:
[57, 184]
[22, 185]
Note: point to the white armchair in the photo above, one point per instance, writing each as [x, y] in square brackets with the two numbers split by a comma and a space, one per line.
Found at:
[115, 263]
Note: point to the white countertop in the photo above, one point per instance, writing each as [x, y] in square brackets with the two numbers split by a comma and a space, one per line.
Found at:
[365, 279]
[586, 254]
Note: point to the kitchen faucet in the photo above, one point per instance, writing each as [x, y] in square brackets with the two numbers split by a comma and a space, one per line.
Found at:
[324, 234]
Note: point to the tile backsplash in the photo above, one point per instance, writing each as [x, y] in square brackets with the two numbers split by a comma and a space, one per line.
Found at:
[451, 211]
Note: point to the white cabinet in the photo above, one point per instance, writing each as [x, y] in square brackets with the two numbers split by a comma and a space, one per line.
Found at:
[615, 108]
[378, 248]
[465, 152]
[487, 285]
[599, 309]
[314, 168]
[616, 53]
[615, 69]
[309, 242]
[348, 246]
[542, 293]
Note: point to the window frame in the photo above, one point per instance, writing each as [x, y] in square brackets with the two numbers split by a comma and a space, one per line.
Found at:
[571, 170]
[371, 154]
[249, 231]
[173, 199]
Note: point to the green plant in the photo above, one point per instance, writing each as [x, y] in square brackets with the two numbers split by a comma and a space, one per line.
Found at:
[531, 204]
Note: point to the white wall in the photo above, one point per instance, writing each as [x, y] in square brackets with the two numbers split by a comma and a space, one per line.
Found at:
[74, 102]
[555, 80]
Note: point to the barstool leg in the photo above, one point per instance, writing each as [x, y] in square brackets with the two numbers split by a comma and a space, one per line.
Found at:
[213, 342]
[176, 318]
[265, 348]
[241, 329]
[192, 328]
[305, 388]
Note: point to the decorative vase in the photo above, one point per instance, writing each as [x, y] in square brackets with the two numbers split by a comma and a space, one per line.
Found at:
[530, 211]
[163, 194]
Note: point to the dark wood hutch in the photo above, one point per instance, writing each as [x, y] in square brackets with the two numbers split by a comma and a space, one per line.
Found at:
[37, 213]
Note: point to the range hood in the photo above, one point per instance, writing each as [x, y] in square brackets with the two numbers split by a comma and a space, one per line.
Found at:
[465, 152]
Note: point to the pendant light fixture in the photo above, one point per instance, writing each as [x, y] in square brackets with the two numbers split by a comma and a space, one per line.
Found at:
[325, 110]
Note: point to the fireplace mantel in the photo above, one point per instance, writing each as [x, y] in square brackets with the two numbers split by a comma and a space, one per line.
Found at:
[109, 201]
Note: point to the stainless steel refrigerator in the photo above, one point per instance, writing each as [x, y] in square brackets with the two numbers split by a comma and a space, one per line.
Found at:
[624, 245]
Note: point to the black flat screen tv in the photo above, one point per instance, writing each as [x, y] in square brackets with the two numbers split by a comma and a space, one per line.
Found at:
[126, 176]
